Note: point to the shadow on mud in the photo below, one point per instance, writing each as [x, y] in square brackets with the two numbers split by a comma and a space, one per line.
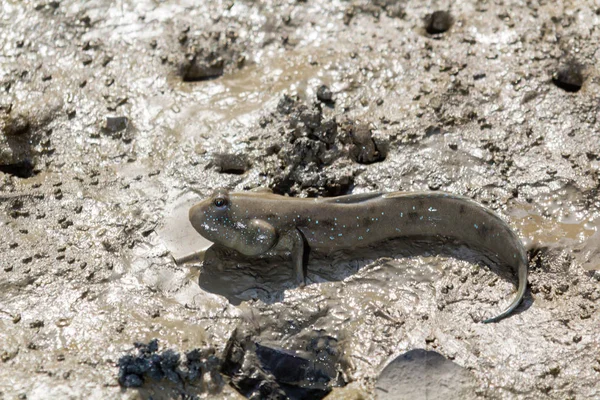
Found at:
[242, 278]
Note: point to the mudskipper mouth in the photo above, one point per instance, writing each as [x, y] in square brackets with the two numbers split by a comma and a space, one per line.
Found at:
[196, 218]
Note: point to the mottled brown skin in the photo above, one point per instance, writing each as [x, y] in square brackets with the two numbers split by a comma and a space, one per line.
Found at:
[254, 222]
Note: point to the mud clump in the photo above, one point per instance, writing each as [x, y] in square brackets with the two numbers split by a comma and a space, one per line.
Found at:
[210, 55]
[317, 154]
[14, 125]
[25, 135]
[363, 148]
[438, 22]
[308, 151]
[149, 366]
[228, 163]
[569, 77]
[16, 140]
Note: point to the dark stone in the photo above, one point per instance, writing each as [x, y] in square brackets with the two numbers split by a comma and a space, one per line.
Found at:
[421, 374]
[569, 77]
[233, 356]
[287, 367]
[324, 94]
[438, 22]
[241, 365]
[265, 372]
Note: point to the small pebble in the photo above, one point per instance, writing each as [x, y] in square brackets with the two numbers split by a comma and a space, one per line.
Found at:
[438, 22]
[324, 94]
[569, 77]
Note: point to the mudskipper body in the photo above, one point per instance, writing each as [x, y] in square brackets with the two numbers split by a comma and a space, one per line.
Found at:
[254, 222]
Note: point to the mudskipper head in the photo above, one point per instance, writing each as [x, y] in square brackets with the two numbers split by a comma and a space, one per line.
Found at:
[232, 225]
[211, 218]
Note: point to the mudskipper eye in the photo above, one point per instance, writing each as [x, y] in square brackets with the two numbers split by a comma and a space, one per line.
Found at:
[219, 202]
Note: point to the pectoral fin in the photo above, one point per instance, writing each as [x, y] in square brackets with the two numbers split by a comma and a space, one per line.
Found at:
[300, 253]
[257, 237]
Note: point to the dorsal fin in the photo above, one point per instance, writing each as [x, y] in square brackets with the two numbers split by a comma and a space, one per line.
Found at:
[391, 195]
[352, 198]
[261, 190]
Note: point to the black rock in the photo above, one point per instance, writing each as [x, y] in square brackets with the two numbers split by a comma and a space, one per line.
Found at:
[324, 94]
[288, 367]
[265, 372]
[438, 22]
[569, 77]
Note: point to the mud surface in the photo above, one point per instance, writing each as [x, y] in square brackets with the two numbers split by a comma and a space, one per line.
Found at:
[112, 111]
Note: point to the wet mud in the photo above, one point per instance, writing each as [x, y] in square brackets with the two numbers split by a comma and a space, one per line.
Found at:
[113, 112]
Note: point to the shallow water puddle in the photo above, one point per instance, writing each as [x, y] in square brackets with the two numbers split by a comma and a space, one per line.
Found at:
[547, 230]
[577, 229]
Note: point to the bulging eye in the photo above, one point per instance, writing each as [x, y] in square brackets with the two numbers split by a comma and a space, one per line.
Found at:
[219, 202]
